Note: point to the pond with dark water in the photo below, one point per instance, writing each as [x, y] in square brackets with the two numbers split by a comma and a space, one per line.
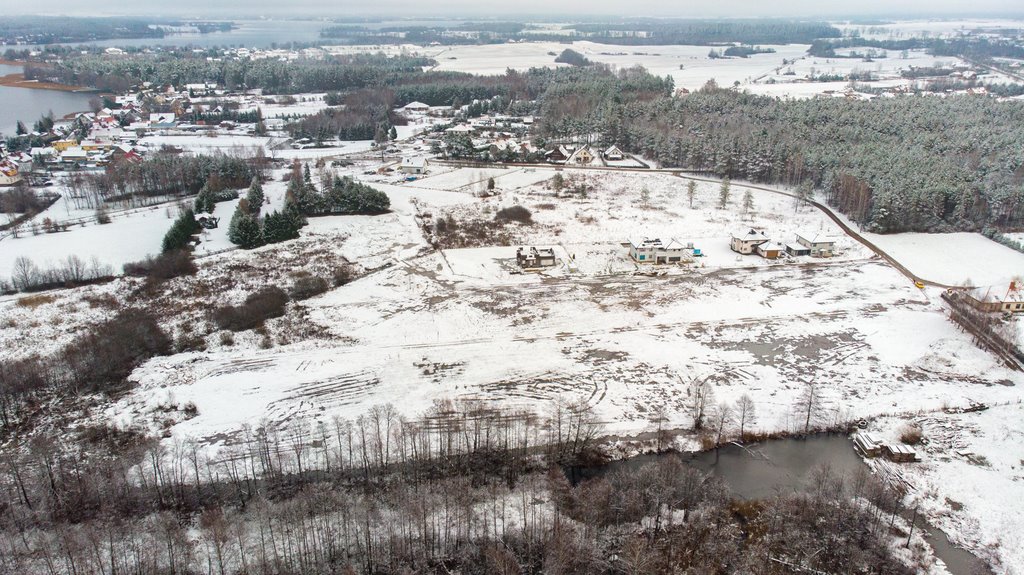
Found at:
[783, 466]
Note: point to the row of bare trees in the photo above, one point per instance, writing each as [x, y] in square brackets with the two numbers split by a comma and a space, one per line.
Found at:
[292, 498]
[662, 517]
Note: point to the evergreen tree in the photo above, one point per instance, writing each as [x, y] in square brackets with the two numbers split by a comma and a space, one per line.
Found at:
[21, 130]
[181, 232]
[279, 227]
[723, 193]
[244, 230]
[748, 202]
[205, 200]
[393, 134]
[691, 191]
[255, 196]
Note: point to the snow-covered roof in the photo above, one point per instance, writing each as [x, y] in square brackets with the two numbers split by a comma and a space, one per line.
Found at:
[416, 106]
[768, 246]
[1007, 293]
[816, 237]
[414, 162]
[751, 235]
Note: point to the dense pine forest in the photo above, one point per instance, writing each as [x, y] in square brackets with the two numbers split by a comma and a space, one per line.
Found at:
[909, 163]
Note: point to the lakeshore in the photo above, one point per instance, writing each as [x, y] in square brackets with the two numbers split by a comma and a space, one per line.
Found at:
[18, 80]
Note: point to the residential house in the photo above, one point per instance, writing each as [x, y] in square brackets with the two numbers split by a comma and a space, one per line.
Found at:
[9, 174]
[985, 300]
[746, 243]
[535, 258]
[61, 145]
[653, 251]
[581, 157]
[614, 154]
[414, 165]
[162, 121]
[557, 155]
[821, 245]
[416, 107]
[73, 156]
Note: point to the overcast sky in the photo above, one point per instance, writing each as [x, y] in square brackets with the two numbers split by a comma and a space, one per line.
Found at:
[241, 9]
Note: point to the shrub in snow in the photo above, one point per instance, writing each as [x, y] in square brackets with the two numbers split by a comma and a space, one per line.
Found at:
[514, 214]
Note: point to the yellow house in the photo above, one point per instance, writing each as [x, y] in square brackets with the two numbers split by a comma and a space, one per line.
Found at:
[581, 156]
[61, 145]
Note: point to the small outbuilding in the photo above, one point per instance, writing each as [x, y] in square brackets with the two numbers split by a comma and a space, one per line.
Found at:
[771, 250]
[797, 250]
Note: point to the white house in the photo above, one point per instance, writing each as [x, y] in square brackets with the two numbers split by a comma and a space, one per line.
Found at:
[614, 154]
[159, 121]
[821, 245]
[416, 107]
[535, 258]
[746, 243]
[9, 174]
[653, 251]
[414, 165]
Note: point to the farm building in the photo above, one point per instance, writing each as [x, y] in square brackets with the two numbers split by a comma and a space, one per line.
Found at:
[771, 250]
[747, 242]
[993, 299]
[648, 251]
[542, 258]
[416, 107]
[797, 250]
[821, 245]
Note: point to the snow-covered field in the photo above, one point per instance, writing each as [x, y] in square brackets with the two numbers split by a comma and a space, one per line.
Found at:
[689, 66]
[954, 258]
[462, 324]
[129, 237]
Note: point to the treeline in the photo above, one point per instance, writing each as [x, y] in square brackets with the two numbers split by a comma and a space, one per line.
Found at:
[272, 76]
[461, 33]
[891, 164]
[73, 271]
[973, 47]
[459, 489]
[164, 175]
[57, 29]
[705, 32]
[360, 115]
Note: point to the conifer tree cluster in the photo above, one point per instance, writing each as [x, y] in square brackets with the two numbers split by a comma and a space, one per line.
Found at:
[181, 232]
